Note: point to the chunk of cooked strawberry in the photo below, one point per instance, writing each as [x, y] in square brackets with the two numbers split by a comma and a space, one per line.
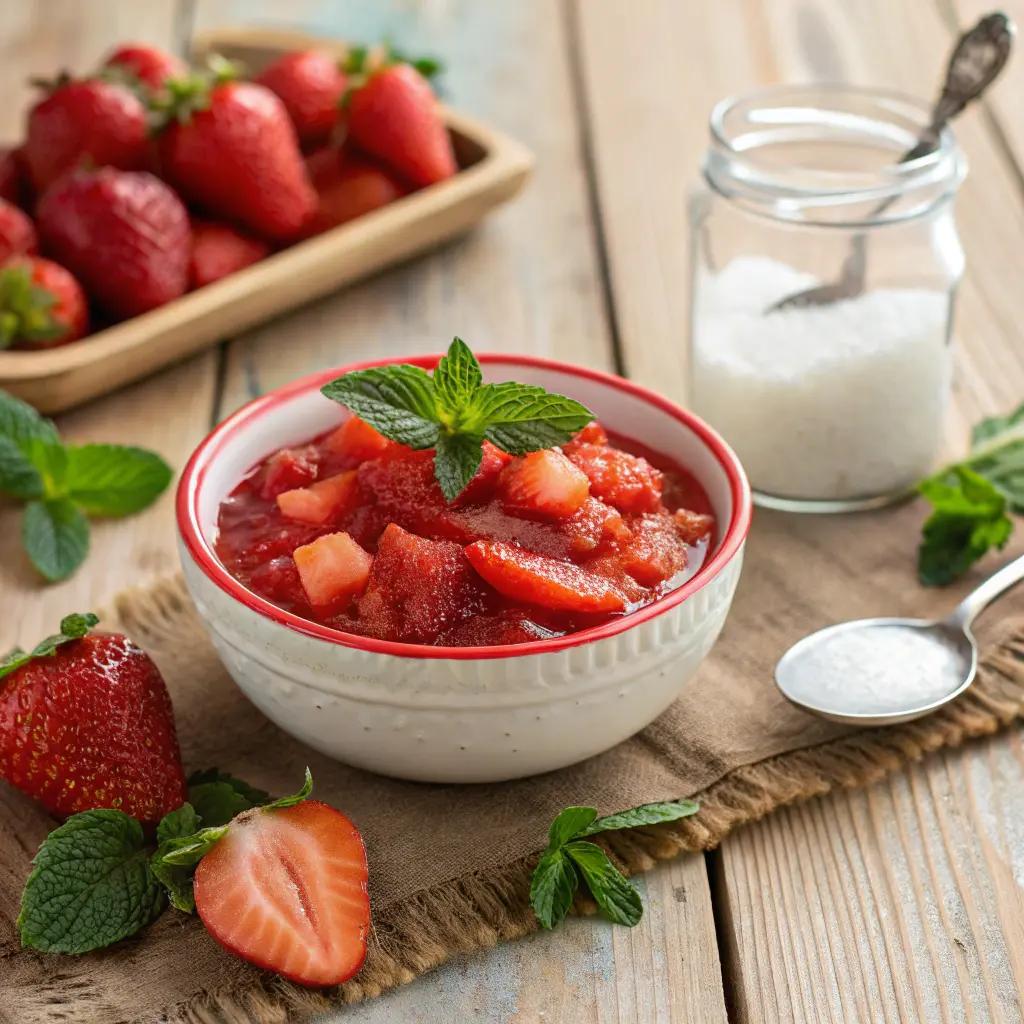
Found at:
[655, 553]
[481, 488]
[509, 626]
[417, 588]
[358, 440]
[693, 526]
[534, 579]
[544, 484]
[592, 433]
[626, 481]
[333, 569]
[286, 889]
[595, 526]
[322, 502]
[287, 469]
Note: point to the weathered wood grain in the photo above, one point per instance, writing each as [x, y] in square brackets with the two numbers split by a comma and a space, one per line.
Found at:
[896, 904]
[170, 413]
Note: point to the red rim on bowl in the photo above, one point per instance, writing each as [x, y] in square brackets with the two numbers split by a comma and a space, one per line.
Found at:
[192, 478]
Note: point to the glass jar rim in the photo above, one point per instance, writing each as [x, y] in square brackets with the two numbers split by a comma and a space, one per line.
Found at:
[744, 126]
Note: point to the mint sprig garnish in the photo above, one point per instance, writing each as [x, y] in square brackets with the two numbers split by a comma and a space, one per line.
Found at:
[95, 879]
[219, 797]
[972, 500]
[63, 484]
[569, 860]
[454, 412]
[71, 628]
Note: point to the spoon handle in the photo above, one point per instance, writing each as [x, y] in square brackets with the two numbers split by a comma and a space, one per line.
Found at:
[997, 584]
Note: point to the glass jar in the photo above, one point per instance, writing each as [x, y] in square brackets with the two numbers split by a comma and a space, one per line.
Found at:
[835, 406]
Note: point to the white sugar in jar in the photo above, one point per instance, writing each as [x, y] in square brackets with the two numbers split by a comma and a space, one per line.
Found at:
[835, 406]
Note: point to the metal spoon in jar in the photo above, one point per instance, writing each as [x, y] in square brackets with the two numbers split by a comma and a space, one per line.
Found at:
[978, 57]
[884, 671]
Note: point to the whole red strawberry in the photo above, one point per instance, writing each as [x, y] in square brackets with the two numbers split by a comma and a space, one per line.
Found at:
[310, 85]
[41, 305]
[149, 64]
[230, 149]
[219, 250]
[14, 185]
[85, 121]
[17, 232]
[346, 188]
[394, 117]
[86, 722]
[124, 235]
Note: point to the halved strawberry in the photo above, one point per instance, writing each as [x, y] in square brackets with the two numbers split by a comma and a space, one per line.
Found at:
[321, 502]
[286, 890]
[693, 526]
[333, 569]
[358, 440]
[626, 481]
[287, 469]
[544, 483]
[534, 579]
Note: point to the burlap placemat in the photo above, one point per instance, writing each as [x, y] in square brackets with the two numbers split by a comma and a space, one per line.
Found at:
[450, 865]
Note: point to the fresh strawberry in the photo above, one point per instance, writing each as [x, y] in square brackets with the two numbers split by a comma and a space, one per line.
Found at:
[536, 580]
[286, 470]
[230, 148]
[323, 501]
[356, 439]
[393, 116]
[543, 484]
[310, 84]
[333, 569]
[14, 184]
[626, 481]
[124, 235]
[41, 305]
[17, 232]
[286, 890]
[219, 250]
[85, 122]
[147, 64]
[89, 726]
[346, 188]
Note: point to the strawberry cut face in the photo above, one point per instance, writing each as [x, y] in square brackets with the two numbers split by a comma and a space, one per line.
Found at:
[286, 890]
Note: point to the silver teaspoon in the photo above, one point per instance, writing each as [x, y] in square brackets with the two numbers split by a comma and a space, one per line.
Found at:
[884, 671]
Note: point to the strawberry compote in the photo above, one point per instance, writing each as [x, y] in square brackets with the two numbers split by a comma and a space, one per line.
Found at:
[352, 530]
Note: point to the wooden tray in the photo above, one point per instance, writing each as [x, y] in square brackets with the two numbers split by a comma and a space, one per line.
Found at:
[493, 169]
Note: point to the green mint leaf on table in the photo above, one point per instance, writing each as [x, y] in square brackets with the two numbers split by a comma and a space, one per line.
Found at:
[968, 518]
[218, 802]
[55, 536]
[71, 628]
[454, 412]
[618, 900]
[251, 793]
[181, 822]
[567, 861]
[18, 477]
[21, 423]
[90, 886]
[114, 480]
[552, 888]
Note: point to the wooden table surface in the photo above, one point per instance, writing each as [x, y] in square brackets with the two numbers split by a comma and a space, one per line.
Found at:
[898, 903]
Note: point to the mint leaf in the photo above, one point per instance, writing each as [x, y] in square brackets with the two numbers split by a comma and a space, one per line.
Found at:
[552, 888]
[114, 480]
[968, 518]
[570, 823]
[291, 801]
[20, 423]
[181, 822]
[177, 880]
[90, 886]
[71, 628]
[646, 814]
[55, 536]
[398, 401]
[993, 426]
[218, 802]
[456, 461]
[457, 377]
[251, 793]
[618, 900]
[18, 477]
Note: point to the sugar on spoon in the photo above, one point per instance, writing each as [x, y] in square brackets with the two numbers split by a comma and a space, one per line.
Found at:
[884, 671]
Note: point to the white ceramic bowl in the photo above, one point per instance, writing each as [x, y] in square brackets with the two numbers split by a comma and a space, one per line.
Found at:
[450, 714]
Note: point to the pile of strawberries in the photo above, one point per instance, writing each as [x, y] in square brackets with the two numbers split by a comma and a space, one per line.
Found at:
[145, 179]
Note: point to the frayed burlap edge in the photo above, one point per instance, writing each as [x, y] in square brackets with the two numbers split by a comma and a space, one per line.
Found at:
[473, 913]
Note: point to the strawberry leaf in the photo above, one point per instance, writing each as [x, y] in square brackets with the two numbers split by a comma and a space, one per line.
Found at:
[251, 793]
[71, 628]
[297, 798]
[218, 802]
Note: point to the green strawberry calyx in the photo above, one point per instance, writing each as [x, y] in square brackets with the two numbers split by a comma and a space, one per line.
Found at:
[183, 97]
[72, 627]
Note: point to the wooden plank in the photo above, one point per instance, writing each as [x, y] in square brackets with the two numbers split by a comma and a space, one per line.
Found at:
[170, 413]
[902, 903]
[528, 280]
